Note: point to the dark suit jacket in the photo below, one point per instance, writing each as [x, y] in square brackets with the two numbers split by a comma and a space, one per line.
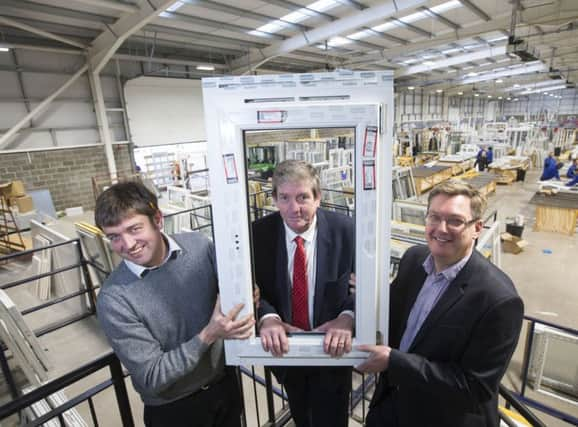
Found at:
[450, 374]
[335, 262]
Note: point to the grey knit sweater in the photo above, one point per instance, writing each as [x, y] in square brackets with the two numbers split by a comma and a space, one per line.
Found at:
[153, 323]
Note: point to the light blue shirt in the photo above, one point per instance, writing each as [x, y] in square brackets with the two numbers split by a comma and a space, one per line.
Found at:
[433, 288]
[174, 248]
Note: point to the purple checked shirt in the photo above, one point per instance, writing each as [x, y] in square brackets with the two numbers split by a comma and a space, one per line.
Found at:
[433, 288]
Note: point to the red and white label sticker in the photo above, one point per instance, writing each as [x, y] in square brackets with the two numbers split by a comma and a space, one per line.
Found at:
[370, 141]
[230, 168]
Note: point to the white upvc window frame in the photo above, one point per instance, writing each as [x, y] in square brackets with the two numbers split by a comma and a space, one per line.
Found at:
[237, 104]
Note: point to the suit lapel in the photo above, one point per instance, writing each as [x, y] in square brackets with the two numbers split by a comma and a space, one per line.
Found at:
[450, 297]
[282, 280]
[323, 262]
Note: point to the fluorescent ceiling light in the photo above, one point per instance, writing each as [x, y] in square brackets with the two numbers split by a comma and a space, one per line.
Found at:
[460, 93]
[476, 94]
[428, 63]
[439, 90]
[410, 88]
[489, 96]
[508, 98]
[205, 68]
[4, 49]
[472, 74]
[499, 81]
[499, 97]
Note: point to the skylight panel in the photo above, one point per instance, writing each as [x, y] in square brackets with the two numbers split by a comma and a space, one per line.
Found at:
[444, 7]
[418, 16]
[384, 27]
[172, 8]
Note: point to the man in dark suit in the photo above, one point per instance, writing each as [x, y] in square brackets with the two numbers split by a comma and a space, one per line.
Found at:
[455, 319]
[304, 257]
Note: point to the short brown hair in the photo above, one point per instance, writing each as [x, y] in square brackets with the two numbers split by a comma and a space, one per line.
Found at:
[296, 171]
[123, 200]
[457, 187]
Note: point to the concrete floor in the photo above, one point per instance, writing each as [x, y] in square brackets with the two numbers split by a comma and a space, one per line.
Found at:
[544, 274]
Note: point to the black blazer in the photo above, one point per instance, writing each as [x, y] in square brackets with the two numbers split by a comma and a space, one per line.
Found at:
[450, 374]
[335, 262]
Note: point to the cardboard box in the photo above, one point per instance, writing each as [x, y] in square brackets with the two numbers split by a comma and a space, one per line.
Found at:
[512, 244]
[17, 189]
[24, 203]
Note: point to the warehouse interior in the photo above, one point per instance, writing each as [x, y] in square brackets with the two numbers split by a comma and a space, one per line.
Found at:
[99, 91]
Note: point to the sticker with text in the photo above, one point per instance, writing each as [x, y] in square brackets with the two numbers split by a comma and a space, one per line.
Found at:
[369, 175]
[271, 116]
[230, 168]
[370, 141]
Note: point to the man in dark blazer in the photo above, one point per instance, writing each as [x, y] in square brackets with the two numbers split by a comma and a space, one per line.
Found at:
[455, 320]
[317, 396]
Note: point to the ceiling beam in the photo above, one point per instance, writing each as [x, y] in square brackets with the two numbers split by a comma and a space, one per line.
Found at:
[411, 27]
[257, 58]
[108, 4]
[451, 61]
[107, 43]
[217, 25]
[16, 24]
[440, 18]
[236, 11]
[352, 4]
[476, 10]
[289, 5]
[503, 21]
[5, 138]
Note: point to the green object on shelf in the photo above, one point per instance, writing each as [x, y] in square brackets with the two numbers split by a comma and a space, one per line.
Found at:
[262, 167]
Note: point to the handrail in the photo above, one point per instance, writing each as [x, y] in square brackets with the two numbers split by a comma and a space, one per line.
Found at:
[522, 409]
[117, 380]
[567, 329]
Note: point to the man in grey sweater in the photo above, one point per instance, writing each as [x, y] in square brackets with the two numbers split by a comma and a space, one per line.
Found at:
[161, 314]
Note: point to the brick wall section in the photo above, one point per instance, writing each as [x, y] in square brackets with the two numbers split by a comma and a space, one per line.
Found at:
[67, 173]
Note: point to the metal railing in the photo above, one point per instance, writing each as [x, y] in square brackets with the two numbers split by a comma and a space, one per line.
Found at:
[116, 381]
[533, 403]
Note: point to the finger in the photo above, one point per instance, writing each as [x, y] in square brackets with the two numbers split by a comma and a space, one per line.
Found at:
[231, 315]
[347, 347]
[265, 342]
[241, 323]
[276, 345]
[368, 348]
[284, 342]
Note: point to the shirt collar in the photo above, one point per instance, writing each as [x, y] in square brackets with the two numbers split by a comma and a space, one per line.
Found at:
[449, 273]
[307, 235]
[173, 250]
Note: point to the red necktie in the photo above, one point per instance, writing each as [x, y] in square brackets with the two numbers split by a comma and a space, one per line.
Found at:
[300, 310]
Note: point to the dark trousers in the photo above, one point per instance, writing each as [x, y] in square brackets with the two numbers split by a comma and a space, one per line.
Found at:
[318, 396]
[217, 406]
[382, 414]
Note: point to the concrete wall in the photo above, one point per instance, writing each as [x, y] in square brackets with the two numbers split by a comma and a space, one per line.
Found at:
[67, 173]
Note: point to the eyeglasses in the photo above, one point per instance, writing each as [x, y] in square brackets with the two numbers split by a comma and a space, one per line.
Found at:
[452, 222]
